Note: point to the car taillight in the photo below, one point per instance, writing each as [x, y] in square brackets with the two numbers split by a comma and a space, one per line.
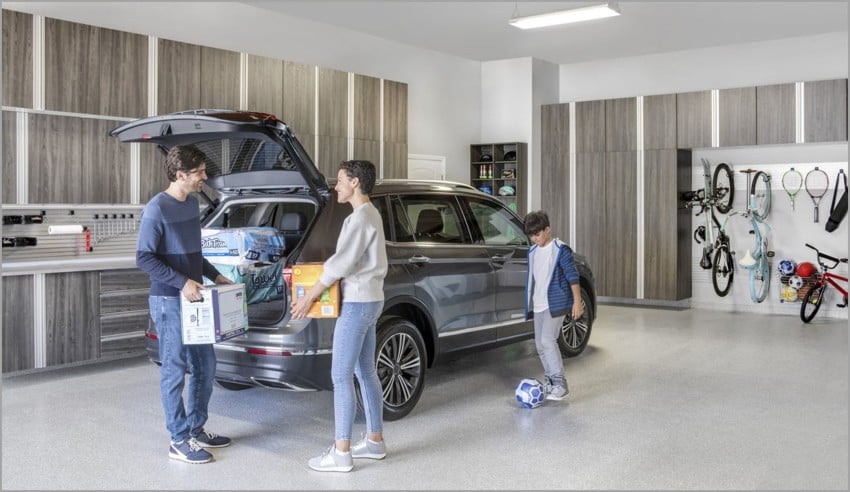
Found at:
[152, 336]
[287, 276]
[256, 351]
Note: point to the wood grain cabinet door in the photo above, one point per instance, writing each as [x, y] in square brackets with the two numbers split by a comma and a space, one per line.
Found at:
[659, 122]
[18, 322]
[10, 146]
[620, 236]
[72, 317]
[590, 126]
[693, 119]
[737, 116]
[299, 101]
[667, 225]
[591, 214]
[775, 114]
[555, 168]
[395, 130]
[94, 70]
[17, 59]
[826, 111]
[266, 85]
[74, 160]
[621, 124]
[178, 76]
[219, 78]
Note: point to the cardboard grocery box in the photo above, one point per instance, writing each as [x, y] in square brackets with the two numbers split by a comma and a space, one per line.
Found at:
[221, 315]
[304, 277]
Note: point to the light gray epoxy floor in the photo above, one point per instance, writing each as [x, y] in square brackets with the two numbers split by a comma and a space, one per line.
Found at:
[661, 399]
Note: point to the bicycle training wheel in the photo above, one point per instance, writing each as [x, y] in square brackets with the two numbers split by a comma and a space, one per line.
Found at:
[722, 271]
[759, 279]
[812, 302]
[760, 195]
[724, 188]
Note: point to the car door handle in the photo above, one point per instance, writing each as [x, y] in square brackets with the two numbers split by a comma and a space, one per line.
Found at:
[419, 259]
[498, 259]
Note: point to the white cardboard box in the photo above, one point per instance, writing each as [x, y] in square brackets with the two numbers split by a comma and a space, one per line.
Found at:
[221, 315]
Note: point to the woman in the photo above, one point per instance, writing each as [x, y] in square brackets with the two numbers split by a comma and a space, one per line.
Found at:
[360, 261]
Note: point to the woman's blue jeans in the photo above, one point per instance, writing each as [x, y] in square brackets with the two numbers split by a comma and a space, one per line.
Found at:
[354, 354]
[178, 359]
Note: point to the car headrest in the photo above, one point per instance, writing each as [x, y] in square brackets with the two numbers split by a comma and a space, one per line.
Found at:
[292, 221]
[429, 222]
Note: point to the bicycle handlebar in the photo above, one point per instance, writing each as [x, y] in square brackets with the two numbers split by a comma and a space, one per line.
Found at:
[833, 259]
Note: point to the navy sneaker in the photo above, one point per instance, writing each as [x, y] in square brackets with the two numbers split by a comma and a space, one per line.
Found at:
[190, 451]
[212, 440]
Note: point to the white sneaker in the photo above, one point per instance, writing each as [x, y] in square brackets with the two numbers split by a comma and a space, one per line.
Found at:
[369, 449]
[557, 393]
[332, 460]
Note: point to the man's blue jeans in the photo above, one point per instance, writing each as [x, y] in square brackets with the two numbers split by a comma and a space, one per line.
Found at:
[178, 359]
[354, 354]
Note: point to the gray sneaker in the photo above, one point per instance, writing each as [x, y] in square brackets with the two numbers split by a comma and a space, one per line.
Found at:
[557, 393]
[332, 460]
[368, 449]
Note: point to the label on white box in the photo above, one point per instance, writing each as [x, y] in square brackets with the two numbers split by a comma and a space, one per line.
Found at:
[222, 314]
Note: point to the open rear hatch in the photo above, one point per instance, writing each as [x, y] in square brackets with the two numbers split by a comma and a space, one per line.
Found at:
[245, 150]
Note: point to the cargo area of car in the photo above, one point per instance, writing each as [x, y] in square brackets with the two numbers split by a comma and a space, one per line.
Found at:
[249, 241]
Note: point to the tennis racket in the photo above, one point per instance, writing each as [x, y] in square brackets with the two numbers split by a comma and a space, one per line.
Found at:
[792, 183]
[817, 182]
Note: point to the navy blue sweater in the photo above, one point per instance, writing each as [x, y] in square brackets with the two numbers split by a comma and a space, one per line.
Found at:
[169, 247]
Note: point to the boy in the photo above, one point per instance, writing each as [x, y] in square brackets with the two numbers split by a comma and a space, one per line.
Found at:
[552, 290]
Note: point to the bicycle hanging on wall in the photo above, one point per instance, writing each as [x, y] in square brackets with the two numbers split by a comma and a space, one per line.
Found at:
[717, 194]
[756, 259]
[818, 285]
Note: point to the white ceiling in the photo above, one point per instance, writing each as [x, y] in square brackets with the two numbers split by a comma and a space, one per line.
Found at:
[479, 30]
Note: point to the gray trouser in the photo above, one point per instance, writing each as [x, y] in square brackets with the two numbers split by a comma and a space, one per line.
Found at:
[546, 331]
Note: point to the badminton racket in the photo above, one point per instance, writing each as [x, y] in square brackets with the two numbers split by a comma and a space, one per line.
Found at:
[792, 183]
[817, 183]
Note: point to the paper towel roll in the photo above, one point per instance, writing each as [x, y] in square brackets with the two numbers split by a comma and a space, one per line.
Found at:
[65, 229]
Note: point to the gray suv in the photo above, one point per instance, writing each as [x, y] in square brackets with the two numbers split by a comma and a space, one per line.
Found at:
[457, 260]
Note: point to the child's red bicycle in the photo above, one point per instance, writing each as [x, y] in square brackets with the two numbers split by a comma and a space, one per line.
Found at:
[822, 279]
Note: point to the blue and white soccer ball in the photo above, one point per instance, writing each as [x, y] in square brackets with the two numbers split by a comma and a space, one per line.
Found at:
[787, 267]
[530, 393]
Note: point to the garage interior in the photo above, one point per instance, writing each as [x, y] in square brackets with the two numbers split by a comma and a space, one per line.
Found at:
[678, 388]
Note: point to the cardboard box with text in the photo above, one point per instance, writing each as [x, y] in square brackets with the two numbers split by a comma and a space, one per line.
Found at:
[304, 276]
[221, 315]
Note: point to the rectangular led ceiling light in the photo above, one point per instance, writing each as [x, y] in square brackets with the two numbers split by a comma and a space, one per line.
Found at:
[566, 16]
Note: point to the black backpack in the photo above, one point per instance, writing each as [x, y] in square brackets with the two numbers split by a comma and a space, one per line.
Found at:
[837, 211]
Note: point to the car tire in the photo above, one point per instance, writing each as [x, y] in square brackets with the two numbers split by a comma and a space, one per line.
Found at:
[575, 333]
[231, 386]
[400, 360]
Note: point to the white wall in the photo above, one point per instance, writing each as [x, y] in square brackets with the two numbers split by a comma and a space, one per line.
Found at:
[506, 87]
[444, 92]
[511, 94]
[770, 62]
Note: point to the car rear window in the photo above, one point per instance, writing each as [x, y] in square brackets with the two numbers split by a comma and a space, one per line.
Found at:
[235, 155]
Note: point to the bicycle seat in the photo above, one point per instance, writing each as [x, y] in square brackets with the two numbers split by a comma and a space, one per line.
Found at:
[747, 261]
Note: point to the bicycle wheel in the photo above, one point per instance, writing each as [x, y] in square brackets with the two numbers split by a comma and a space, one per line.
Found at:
[722, 271]
[760, 195]
[724, 188]
[759, 279]
[812, 302]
